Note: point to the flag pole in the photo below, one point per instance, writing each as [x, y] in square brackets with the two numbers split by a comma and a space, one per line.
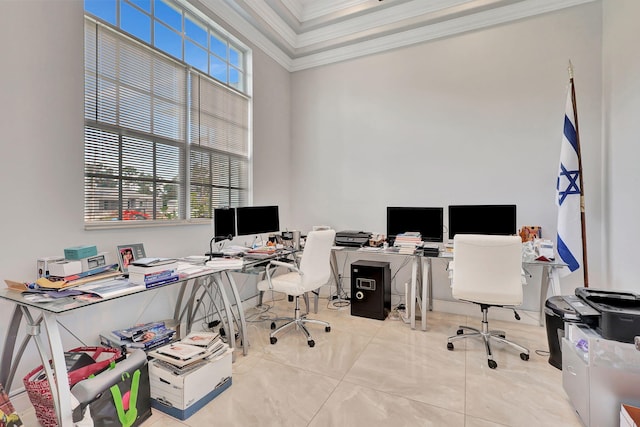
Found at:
[582, 215]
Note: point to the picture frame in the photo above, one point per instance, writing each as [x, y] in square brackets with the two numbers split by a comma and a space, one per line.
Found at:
[129, 253]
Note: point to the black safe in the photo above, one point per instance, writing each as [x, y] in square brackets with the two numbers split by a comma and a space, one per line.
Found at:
[370, 289]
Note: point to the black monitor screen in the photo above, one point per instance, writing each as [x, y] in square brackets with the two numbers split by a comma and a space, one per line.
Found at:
[257, 220]
[426, 221]
[482, 219]
[224, 222]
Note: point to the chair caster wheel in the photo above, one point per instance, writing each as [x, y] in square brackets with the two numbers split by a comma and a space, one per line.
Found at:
[311, 343]
[493, 364]
[450, 346]
[327, 328]
[524, 356]
[273, 340]
[273, 325]
[459, 332]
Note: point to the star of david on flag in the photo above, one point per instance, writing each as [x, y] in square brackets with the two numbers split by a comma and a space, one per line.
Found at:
[568, 193]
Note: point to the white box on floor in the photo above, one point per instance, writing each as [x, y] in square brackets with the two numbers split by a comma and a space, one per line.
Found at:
[182, 395]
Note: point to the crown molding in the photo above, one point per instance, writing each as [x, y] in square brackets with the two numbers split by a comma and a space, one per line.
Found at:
[476, 21]
[266, 38]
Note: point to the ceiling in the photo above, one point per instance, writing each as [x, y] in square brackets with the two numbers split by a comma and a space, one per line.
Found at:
[302, 34]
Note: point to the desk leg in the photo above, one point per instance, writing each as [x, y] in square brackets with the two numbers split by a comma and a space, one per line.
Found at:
[6, 365]
[549, 276]
[412, 299]
[427, 299]
[241, 316]
[63, 391]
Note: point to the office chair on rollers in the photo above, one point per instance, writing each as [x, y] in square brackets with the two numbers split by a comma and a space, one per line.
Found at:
[487, 270]
[314, 272]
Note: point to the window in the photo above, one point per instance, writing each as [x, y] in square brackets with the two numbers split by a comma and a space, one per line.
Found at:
[165, 138]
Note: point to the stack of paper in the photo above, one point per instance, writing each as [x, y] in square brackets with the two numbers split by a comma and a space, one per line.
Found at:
[153, 272]
[224, 263]
[193, 348]
[146, 336]
[408, 242]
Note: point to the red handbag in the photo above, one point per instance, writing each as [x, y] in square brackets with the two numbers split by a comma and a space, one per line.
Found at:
[38, 388]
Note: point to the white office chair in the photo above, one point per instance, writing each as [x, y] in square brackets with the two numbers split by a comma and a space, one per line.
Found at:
[314, 272]
[487, 270]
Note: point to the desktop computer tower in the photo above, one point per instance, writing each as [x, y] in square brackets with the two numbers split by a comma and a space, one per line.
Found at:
[370, 289]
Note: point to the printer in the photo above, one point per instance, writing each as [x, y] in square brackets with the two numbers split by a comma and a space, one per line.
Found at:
[619, 313]
[614, 315]
[353, 238]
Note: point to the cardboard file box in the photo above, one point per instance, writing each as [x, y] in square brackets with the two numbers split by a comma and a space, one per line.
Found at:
[183, 395]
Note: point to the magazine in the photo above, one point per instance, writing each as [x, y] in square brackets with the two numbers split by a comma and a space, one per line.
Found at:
[201, 339]
[181, 351]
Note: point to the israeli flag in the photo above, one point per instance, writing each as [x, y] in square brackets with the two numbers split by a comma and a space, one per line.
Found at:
[568, 192]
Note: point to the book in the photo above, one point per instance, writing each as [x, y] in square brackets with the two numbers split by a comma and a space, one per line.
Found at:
[161, 282]
[177, 361]
[149, 277]
[225, 263]
[150, 341]
[144, 279]
[201, 339]
[150, 269]
[152, 262]
[181, 351]
[136, 331]
[110, 287]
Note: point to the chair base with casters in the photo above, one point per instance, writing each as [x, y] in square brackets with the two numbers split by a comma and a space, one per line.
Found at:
[486, 336]
[299, 322]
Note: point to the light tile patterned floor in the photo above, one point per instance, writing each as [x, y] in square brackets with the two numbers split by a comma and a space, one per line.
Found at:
[368, 373]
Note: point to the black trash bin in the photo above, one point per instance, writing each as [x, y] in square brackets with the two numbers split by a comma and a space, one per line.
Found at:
[557, 311]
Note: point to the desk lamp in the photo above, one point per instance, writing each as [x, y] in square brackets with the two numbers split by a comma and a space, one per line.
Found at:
[217, 239]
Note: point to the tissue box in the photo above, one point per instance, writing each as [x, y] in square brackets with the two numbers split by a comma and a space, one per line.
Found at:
[79, 252]
[182, 395]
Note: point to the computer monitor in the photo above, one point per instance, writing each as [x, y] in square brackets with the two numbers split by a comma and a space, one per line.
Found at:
[482, 219]
[427, 221]
[224, 222]
[257, 220]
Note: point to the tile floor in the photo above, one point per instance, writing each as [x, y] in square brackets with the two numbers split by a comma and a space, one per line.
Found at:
[380, 373]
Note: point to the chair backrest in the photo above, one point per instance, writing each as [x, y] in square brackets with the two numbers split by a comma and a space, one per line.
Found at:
[487, 269]
[315, 263]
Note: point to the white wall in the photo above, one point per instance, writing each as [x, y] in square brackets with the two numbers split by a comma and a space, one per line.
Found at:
[474, 118]
[621, 92]
[41, 162]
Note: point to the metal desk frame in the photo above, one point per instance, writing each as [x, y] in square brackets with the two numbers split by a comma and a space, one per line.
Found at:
[421, 287]
[49, 313]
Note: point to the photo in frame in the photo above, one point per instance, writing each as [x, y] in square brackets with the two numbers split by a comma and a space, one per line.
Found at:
[129, 253]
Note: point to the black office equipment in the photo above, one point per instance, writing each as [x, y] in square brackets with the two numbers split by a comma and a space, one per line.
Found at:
[482, 219]
[558, 310]
[425, 220]
[257, 220]
[224, 223]
[353, 238]
[370, 289]
[619, 318]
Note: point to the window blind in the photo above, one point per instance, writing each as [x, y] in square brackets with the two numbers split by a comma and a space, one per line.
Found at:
[144, 160]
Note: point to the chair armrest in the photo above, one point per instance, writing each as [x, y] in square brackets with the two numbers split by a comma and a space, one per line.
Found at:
[287, 265]
[274, 264]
